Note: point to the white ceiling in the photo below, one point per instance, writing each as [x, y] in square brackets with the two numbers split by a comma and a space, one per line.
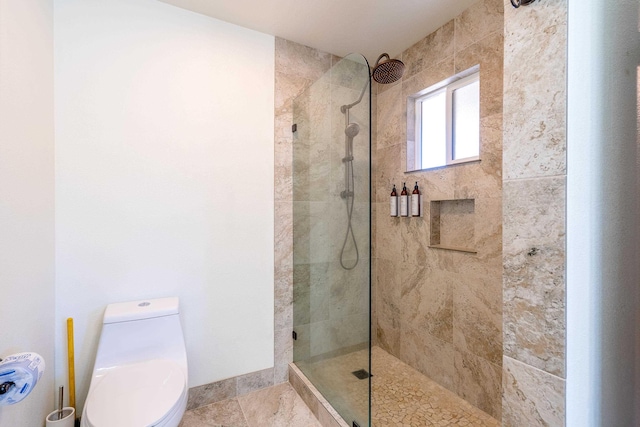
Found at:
[340, 27]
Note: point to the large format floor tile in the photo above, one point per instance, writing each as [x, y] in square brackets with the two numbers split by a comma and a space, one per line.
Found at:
[277, 406]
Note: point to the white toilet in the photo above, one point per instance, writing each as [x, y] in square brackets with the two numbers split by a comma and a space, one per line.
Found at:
[140, 375]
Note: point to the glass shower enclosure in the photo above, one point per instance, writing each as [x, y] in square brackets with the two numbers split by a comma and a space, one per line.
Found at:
[332, 236]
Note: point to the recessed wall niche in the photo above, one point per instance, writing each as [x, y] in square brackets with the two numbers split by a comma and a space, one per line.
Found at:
[453, 225]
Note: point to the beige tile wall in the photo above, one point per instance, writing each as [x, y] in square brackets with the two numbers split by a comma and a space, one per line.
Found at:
[440, 311]
[534, 214]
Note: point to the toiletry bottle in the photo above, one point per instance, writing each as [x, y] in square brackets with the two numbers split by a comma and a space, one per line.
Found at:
[415, 201]
[404, 201]
[394, 202]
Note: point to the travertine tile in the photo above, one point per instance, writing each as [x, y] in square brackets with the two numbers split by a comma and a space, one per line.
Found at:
[388, 336]
[434, 48]
[477, 316]
[283, 169]
[478, 21]
[415, 241]
[426, 302]
[400, 396]
[534, 283]
[301, 294]
[224, 413]
[254, 381]
[479, 382]
[531, 397]
[391, 118]
[298, 60]
[487, 52]
[389, 171]
[210, 393]
[484, 178]
[302, 345]
[298, 225]
[283, 233]
[389, 245]
[278, 406]
[429, 76]
[283, 355]
[303, 386]
[283, 297]
[535, 97]
[429, 355]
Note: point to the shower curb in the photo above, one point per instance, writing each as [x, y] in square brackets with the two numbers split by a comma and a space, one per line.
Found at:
[323, 411]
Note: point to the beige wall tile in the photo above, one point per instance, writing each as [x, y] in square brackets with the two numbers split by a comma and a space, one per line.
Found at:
[417, 314]
[478, 21]
[434, 48]
[534, 262]
[488, 53]
[391, 118]
[426, 301]
[297, 60]
[479, 382]
[535, 96]
[532, 397]
[477, 316]
[429, 355]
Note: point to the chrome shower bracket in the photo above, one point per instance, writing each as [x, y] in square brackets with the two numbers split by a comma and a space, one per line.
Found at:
[518, 3]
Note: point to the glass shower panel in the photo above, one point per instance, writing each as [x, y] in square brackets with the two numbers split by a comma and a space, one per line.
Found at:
[331, 236]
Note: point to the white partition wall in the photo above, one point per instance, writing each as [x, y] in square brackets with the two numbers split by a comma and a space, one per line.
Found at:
[164, 178]
[27, 197]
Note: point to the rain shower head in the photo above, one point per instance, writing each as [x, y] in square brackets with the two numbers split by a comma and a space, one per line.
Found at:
[387, 71]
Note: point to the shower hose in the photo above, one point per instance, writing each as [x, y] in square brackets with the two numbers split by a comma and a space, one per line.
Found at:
[349, 199]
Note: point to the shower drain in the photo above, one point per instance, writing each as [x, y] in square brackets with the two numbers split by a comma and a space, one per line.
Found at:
[361, 374]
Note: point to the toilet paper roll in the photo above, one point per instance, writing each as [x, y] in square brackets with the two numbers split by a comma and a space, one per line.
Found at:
[19, 374]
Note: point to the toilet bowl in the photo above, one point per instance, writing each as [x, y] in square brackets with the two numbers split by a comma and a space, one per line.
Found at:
[140, 374]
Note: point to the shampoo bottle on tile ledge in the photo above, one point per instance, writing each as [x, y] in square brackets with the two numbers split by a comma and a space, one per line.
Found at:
[415, 201]
[404, 201]
[393, 202]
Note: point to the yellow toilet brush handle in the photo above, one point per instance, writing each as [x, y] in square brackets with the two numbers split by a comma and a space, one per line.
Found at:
[72, 370]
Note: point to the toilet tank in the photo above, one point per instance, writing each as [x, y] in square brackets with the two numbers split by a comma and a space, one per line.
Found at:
[136, 331]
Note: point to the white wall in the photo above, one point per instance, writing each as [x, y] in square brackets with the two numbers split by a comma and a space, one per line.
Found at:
[26, 196]
[164, 178]
[603, 229]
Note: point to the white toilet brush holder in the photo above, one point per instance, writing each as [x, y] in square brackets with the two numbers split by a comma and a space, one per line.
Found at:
[66, 419]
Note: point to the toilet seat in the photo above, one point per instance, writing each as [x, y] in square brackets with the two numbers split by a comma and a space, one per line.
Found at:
[141, 394]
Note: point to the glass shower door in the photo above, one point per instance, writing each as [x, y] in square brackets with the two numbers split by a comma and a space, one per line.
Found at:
[331, 232]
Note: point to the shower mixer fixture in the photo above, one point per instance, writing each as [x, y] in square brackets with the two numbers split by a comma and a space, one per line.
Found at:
[384, 72]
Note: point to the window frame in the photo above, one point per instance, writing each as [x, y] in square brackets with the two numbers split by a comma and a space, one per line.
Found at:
[414, 102]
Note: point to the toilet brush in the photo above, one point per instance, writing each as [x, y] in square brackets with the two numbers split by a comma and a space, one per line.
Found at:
[60, 400]
[72, 367]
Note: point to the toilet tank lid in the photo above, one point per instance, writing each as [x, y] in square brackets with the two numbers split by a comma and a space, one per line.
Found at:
[138, 310]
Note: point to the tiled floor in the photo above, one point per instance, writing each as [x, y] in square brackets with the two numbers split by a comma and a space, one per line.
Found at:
[401, 396]
[277, 406]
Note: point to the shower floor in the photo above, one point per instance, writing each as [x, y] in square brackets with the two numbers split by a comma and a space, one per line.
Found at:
[401, 396]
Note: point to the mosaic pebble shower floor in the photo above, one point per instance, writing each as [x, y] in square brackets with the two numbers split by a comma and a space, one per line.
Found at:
[401, 396]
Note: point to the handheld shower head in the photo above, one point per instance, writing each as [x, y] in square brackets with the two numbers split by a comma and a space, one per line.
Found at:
[387, 71]
[352, 130]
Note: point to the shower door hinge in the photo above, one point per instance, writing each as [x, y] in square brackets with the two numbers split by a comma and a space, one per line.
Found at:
[294, 335]
[294, 127]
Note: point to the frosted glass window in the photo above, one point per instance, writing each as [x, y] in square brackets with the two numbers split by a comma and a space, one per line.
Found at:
[434, 130]
[466, 121]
